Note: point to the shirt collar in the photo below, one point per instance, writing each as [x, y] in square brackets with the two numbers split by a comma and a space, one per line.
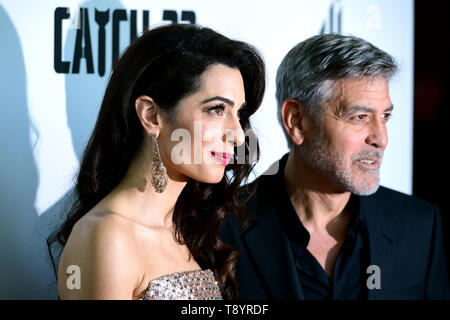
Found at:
[287, 214]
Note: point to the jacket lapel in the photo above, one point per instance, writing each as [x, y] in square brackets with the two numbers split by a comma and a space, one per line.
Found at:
[381, 235]
[273, 258]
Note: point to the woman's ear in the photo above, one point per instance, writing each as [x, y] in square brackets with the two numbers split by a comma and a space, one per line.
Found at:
[296, 120]
[149, 114]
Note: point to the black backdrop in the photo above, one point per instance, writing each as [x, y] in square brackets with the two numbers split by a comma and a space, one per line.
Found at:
[431, 104]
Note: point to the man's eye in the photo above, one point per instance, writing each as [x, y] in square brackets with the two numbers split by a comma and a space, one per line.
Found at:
[360, 117]
[218, 110]
[387, 116]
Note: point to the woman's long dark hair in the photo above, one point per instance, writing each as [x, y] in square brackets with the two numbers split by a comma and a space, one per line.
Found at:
[166, 63]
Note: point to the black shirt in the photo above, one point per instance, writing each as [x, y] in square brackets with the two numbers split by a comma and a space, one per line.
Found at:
[349, 277]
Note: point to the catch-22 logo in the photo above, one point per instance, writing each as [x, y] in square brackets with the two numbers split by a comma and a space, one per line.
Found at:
[83, 44]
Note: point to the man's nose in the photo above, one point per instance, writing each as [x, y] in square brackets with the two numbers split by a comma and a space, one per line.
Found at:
[377, 136]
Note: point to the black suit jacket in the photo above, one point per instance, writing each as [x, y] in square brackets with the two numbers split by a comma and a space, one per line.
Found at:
[405, 241]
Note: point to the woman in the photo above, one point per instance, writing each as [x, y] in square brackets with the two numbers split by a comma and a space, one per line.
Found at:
[145, 223]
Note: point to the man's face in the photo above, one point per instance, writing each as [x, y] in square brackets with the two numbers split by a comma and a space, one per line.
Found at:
[347, 147]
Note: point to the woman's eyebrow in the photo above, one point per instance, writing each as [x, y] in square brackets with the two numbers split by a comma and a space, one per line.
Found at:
[228, 101]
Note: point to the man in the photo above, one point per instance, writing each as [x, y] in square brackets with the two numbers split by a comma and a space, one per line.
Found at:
[322, 228]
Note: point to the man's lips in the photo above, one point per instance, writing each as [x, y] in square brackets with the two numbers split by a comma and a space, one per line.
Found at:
[370, 163]
[222, 157]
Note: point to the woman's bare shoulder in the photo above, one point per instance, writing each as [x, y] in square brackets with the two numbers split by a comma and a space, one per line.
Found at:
[101, 247]
[99, 231]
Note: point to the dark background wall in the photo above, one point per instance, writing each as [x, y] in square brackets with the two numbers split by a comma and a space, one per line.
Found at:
[431, 102]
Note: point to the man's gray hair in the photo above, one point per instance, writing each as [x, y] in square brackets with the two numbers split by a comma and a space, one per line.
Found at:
[310, 69]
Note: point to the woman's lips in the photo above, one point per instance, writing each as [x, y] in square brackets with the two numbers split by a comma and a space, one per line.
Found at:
[222, 157]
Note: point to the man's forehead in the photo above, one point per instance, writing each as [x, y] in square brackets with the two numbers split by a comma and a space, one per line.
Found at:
[367, 85]
[360, 94]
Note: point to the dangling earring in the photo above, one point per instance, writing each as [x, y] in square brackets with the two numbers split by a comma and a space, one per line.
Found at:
[159, 172]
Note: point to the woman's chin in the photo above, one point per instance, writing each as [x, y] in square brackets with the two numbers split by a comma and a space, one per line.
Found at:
[211, 176]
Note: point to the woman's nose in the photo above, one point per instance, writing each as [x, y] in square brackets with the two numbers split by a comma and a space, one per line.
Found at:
[234, 133]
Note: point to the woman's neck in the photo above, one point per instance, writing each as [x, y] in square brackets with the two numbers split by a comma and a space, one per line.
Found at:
[136, 198]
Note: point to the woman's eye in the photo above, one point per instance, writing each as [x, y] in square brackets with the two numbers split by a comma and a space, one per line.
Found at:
[218, 110]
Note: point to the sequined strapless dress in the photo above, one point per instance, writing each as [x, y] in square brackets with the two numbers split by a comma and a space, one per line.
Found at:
[188, 285]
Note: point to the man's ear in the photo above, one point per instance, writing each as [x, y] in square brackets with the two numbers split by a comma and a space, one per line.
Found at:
[148, 112]
[296, 120]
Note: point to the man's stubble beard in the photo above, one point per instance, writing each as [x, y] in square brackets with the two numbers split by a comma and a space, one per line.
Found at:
[317, 154]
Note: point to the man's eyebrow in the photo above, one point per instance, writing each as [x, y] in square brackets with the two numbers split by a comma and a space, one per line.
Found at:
[359, 108]
[389, 108]
[228, 101]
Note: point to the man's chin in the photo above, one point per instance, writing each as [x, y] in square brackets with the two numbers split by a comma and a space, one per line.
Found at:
[365, 189]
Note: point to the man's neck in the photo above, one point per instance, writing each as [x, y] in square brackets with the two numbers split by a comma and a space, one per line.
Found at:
[317, 203]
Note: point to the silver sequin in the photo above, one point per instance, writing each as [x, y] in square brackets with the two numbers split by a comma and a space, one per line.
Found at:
[188, 285]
